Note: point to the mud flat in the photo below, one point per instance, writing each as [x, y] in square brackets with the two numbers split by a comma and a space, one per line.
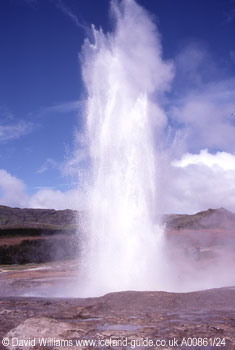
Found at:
[140, 320]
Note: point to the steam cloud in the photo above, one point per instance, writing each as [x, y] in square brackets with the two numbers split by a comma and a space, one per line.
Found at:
[123, 71]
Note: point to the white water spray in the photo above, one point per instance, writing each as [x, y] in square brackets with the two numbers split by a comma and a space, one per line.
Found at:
[123, 72]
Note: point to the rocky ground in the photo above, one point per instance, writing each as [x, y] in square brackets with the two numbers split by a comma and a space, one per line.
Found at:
[125, 320]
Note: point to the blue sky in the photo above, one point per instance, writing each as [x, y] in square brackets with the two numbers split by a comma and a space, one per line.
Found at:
[42, 94]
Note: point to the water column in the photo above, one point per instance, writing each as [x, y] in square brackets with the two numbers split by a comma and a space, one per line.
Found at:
[124, 74]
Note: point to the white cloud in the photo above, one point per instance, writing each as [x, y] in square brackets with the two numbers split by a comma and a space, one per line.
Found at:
[49, 163]
[193, 65]
[70, 14]
[223, 160]
[201, 181]
[202, 174]
[203, 104]
[15, 130]
[66, 107]
[12, 190]
[49, 198]
[13, 193]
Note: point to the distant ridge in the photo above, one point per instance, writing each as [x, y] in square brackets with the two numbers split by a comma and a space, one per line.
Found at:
[208, 219]
[48, 221]
[42, 235]
[37, 221]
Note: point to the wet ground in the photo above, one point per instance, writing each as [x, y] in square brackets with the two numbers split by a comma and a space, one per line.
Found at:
[130, 320]
[48, 279]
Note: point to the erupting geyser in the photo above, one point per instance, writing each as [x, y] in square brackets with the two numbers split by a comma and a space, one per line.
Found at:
[124, 76]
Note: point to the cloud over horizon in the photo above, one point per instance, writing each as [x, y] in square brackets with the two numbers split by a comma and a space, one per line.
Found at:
[201, 181]
[13, 193]
[201, 111]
